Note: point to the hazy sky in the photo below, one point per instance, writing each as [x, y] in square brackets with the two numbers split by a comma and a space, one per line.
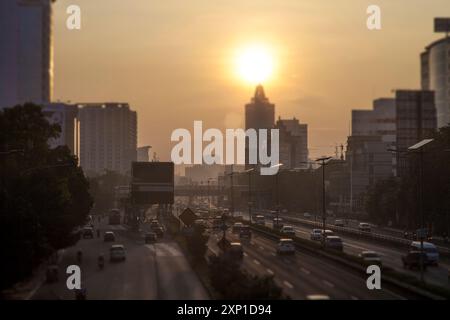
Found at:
[173, 60]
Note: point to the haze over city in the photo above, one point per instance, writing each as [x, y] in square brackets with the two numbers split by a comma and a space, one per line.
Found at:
[180, 57]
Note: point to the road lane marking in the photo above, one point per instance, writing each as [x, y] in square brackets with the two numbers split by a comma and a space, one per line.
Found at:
[287, 284]
[269, 271]
[354, 298]
[328, 283]
[305, 270]
[256, 262]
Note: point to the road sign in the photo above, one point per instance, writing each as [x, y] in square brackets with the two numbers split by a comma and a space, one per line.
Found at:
[442, 25]
[188, 217]
[152, 182]
[422, 233]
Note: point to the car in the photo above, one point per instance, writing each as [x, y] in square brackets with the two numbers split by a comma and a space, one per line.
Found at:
[370, 258]
[150, 237]
[288, 230]
[277, 223]
[364, 226]
[316, 234]
[154, 224]
[109, 236]
[117, 253]
[159, 231]
[307, 215]
[326, 233]
[429, 249]
[245, 232]
[412, 260]
[235, 250]
[88, 232]
[285, 246]
[334, 242]
[339, 223]
[260, 220]
[236, 227]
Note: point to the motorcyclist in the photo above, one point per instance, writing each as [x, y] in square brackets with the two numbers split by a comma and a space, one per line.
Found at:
[79, 255]
[101, 261]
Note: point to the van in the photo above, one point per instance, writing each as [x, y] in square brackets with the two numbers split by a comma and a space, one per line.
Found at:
[429, 249]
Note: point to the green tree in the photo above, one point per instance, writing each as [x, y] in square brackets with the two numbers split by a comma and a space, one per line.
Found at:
[44, 195]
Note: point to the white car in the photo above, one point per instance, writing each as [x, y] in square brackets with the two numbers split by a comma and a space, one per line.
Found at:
[117, 253]
[288, 230]
[325, 234]
[364, 226]
[307, 215]
[260, 220]
[286, 246]
[316, 234]
[370, 258]
[429, 249]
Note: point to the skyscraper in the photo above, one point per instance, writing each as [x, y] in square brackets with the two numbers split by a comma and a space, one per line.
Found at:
[416, 120]
[108, 137]
[259, 114]
[26, 52]
[435, 75]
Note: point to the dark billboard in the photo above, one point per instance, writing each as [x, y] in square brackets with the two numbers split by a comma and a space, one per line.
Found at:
[152, 182]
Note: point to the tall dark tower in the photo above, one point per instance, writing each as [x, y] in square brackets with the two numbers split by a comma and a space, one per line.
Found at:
[259, 114]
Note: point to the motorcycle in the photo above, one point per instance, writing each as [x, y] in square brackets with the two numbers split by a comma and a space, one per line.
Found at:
[101, 262]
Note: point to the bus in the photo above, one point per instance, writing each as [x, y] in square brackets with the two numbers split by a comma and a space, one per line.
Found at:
[114, 217]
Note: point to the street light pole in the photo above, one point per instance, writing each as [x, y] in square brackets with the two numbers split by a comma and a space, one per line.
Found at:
[323, 162]
[418, 148]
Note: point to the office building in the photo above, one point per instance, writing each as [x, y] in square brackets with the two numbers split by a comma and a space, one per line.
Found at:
[26, 52]
[108, 137]
[416, 120]
[293, 143]
[259, 114]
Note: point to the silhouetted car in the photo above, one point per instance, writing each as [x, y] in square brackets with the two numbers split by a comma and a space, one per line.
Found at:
[316, 234]
[245, 232]
[150, 237]
[235, 250]
[88, 232]
[370, 258]
[109, 236]
[286, 246]
[117, 253]
[288, 231]
[334, 242]
[237, 227]
[412, 260]
[277, 223]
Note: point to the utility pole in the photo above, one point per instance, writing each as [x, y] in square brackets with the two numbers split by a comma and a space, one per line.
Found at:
[249, 171]
[323, 161]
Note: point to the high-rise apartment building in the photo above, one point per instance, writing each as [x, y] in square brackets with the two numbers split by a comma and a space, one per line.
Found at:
[108, 137]
[26, 52]
[435, 76]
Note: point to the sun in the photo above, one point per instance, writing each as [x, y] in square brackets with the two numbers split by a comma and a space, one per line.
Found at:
[254, 64]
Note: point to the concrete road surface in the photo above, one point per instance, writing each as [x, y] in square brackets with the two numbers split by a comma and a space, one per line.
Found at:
[150, 271]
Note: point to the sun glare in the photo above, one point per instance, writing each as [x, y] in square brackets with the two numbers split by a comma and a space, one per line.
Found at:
[254, 64]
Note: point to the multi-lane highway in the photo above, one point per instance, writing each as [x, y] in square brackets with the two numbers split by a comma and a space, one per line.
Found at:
[301, 274]
[391, 255]
[151, 271]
